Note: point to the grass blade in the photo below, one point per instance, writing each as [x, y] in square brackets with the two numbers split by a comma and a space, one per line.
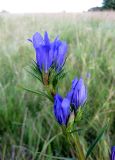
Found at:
[96, 141]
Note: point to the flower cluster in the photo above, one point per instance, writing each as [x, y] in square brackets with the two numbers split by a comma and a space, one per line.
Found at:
[53, 55]
[75, 98]
[49, 53]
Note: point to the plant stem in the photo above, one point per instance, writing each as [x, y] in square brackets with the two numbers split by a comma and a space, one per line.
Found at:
[79, 150]
[45, 78]
[74, 139]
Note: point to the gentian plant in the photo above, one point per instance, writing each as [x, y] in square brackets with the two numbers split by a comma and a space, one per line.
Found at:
[48, 68]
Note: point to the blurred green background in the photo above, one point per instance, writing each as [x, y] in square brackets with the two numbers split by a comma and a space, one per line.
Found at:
[28, 129]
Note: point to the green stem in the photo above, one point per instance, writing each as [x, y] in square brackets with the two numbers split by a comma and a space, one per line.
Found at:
[79, 147]
[74, 138]
[45, 78]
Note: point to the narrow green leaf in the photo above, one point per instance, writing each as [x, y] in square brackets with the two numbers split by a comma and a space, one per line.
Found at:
[62, 75]
[59, 73]
[36, 76]
[57, 77]
[36, 69]
[96, 141]
[38, 93]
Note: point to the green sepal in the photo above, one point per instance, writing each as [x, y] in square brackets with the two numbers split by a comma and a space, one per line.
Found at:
[35, 71]
[70, 123]
[54, 77]
[79, 114]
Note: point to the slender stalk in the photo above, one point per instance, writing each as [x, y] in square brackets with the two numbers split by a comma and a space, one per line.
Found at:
[74, 139]
[45, 78]
[78, 146]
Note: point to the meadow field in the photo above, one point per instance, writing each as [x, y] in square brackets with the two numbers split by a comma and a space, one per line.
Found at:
[28, 129]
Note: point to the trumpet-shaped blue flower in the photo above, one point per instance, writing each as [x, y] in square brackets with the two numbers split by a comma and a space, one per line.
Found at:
[61, 109]
[60, 53]
[49, 53]
[113, 153]
[78, 93]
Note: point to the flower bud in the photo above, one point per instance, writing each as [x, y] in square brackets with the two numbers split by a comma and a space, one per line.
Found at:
[61, 109]
[78, 93]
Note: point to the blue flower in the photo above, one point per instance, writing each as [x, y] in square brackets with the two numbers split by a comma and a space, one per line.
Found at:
[113, 153]
[78, 93]
[48, 53]
[60, 53]
[61, 109]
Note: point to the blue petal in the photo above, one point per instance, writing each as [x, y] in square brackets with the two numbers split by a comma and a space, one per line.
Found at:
[46, 39]
[78, 93]
[58, 98]
[37, 40]
[80, 84]
[82, 95]
[74, 82]
[54, 48]
[47, 59]
[39, 57]
[113, 153]
[113, 148]
[65, 110]
[61, 109]
[57, 108]
[75, 98]
[61, 56]
[43, 58]
[63, 48]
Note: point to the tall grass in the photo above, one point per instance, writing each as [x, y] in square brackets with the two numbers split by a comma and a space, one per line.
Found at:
[28, 130]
